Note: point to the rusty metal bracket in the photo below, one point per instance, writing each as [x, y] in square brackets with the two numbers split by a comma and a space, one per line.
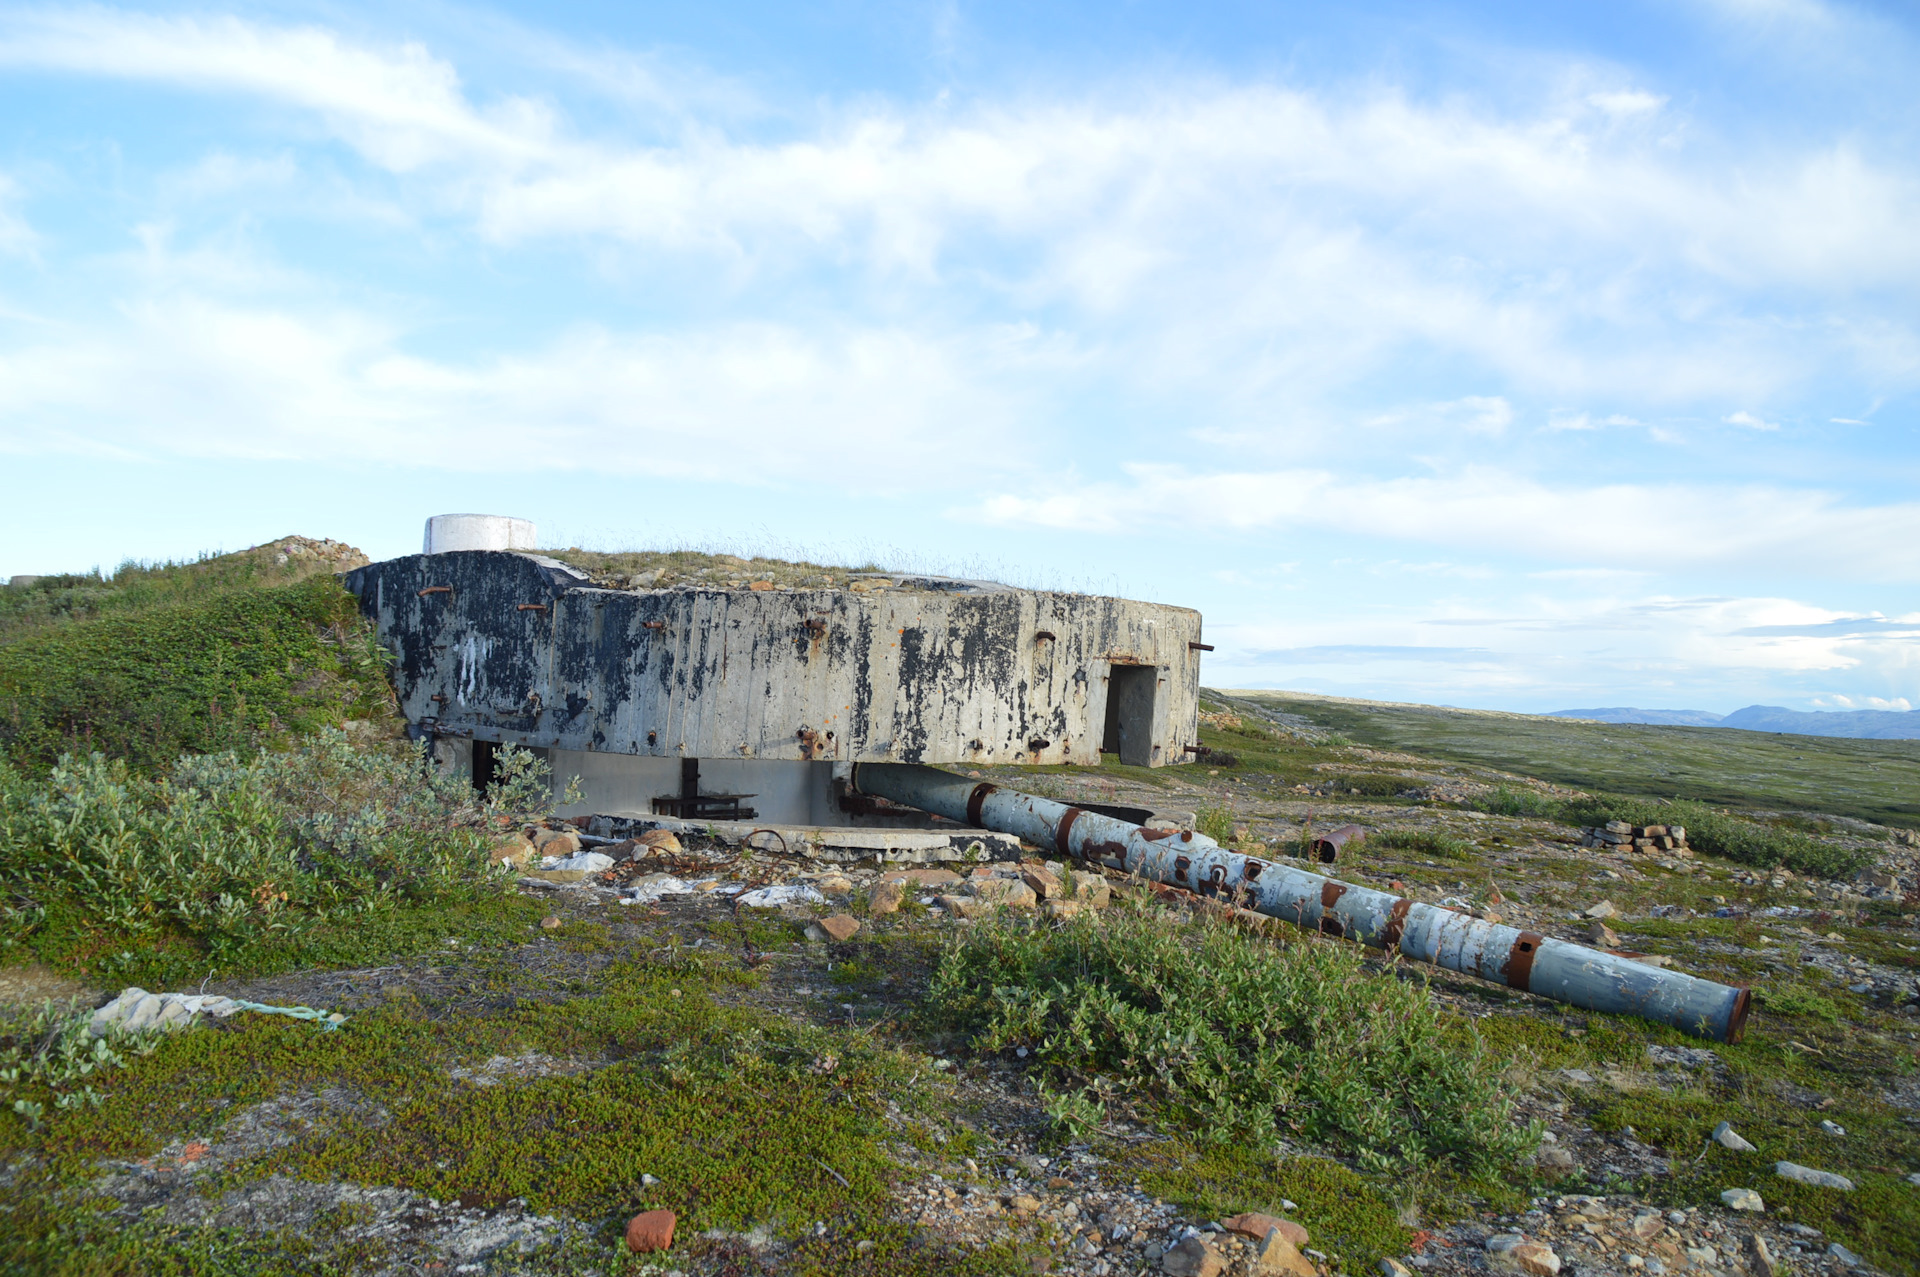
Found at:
[1047, 635]
[435, 589]
[1199, 647]
[653, 625]
[533, 607]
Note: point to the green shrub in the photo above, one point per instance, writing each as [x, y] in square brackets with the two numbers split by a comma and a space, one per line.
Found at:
[1430, 842]
[1715, 832]
[47, 1053]
[105, 869]
[1242, 1039]
[1215, 822]
[231, 671]
[1797, 1001]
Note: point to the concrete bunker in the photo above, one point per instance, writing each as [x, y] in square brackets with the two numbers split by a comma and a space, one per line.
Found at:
[720, 703]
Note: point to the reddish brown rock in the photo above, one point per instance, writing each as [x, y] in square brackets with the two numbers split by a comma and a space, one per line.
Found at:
[840, 926]
[886, 898]
[1278, 1257]
[1256, 1225]
[664, 841]
[650, 1231]
[1043, 881]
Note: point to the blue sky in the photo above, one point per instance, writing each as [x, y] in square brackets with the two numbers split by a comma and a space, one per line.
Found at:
[1517, 356]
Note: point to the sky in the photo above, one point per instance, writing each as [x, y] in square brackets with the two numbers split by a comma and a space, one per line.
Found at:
[1516, 356]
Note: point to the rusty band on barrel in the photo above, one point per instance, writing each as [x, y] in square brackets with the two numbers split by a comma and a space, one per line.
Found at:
[1396, 924]
[1737, 1020]
[975, 799]
[1520, 959]
[1063, 829]
[1330, 893]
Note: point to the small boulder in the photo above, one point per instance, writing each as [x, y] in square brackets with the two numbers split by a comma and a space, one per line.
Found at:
[1807, 1175]
[1194, 1257]
[1005, 891]
[1604, 909]
[1726, 1137]
[1091, 890]
[1394, 1268]
[1759, 1257]
[886, 898]
[835, 884]
[650, 1231]
[1600, 934]
[512, 850]
[664, 841]
[1060, 909]
[966, 906]
[1742, 1199]
[1277, 1256]
[550, 922]
[1554, 1161]
[556, 842]
[1513, 1253]
[1256, 1225]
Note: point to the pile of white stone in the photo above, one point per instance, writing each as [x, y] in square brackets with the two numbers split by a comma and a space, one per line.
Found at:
[1620, 836]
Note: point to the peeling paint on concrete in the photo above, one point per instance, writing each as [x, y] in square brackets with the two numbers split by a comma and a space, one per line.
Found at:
[514, 647]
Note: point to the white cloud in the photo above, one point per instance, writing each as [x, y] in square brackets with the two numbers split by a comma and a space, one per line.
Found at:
[1841, 701]
[1751, 422]
[1650, 527]
[753, 403]
[1627, 102]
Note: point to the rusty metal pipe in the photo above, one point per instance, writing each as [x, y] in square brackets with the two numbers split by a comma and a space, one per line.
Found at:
[1525, 960]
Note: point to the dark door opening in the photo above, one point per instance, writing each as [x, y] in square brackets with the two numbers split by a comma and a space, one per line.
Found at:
[483, 765]
[1131, 690]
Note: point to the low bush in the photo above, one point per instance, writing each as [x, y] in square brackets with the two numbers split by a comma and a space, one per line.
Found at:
[234, 856]
[1241, 1038]
[1428, 842]
[1715, 832]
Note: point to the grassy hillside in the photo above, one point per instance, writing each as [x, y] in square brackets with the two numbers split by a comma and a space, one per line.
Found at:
[1877, 780]
[183, 658]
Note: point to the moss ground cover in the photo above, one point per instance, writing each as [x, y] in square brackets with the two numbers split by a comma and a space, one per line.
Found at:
[742, 1118]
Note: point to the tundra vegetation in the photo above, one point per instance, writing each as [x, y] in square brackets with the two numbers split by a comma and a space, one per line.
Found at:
[204, 785]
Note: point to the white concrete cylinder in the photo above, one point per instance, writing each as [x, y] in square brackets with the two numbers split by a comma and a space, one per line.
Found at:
[447, 532]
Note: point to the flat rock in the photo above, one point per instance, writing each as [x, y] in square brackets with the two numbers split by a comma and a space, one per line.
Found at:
[886, 898]
[840, 926]
[1807, 1175]
[1045, 883]
[1604, 909]
[1061, 909]
[922, 877]
[664, 841]
[1836, 1251]
[1742, 1199]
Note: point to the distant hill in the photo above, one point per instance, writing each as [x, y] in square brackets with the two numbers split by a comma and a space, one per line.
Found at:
[1669, 717]
[1860, 724]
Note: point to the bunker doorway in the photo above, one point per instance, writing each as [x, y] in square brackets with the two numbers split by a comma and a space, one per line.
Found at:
[484, 769]
[1132, 701]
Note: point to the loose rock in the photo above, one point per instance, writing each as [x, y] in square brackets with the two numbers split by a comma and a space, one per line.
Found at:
[1256, 1225]
[840, 927]
[664, 841]
[1807, 1175]
[1742, 1199]
[1726, 1137]
[650, 1231]
[886, 898]
[1194, 1257]
[549, 922]
[1604, 909]
[1760, 1260]
[1278, 1255]
[1513, 1253]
